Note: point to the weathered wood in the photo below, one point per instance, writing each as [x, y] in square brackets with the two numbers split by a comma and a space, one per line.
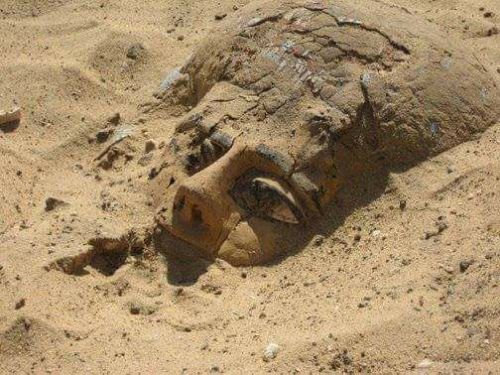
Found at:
[7, 117]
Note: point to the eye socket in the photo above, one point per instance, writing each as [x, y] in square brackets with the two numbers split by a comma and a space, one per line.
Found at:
[267, 199]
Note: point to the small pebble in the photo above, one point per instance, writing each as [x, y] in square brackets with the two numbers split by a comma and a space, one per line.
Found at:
[134, 310]
[426, 363]
[135, 51]
[20, 304]
[114, 119]
[103, 135]
[465, 264]
[402, 205]
[492, 31]
[318, 240]
[448, 270]
[271, 351]
[52, 203]
[149, 146]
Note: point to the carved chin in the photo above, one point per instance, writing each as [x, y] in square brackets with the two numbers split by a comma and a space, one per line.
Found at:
[242, 247]
[236, 242]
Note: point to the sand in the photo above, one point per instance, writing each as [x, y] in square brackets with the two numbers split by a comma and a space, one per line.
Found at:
[407, 281]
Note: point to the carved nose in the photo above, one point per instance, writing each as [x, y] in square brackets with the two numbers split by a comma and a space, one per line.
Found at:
[202, 214]
[195, 208]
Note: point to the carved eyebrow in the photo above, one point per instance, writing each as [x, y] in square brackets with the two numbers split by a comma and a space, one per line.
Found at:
[284, 162]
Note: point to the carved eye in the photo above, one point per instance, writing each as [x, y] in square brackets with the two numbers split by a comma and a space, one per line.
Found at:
[266, 198]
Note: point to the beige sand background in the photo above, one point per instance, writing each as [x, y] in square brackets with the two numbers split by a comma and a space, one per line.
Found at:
[393, 289]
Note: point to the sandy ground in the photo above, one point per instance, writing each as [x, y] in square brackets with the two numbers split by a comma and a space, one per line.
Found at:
[406, 282]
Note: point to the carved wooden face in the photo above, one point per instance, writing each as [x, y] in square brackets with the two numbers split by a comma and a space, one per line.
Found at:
[241, 194]
[287, 101]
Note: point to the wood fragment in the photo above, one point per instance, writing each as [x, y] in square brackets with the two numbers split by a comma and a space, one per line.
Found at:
[6, 117]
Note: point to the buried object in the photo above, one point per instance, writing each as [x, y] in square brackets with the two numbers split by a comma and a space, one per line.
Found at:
[7, 117]
[289, 100]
